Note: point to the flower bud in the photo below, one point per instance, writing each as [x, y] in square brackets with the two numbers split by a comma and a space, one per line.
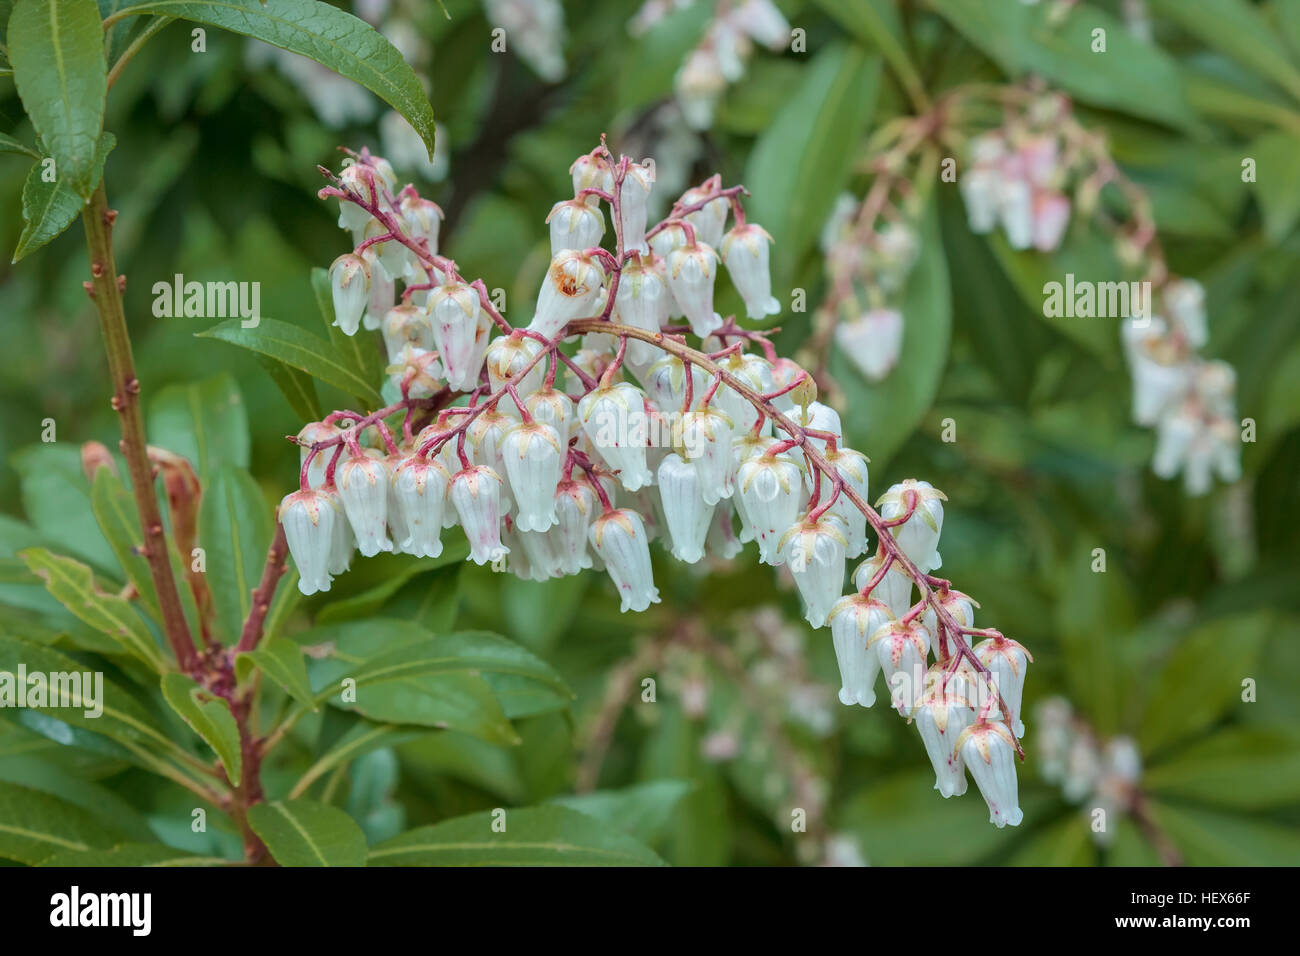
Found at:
[422, 218]
[685, 510]
[771, 489]
[901, 647]
[363, 488]
[350, 288]
[710, 220]
[989, 753]
[570, 290]
[620, 540]
[872, 341]
[1007, 661]
[706, 439]
[382, 292]
[476, 494]
[591, 171]
[575, 507]
[641, 302]
[613, 419]
[508, 355]
[853, 620]
[665, 382]
[554, 408]
[406, 324]
[852, 468]
[420, 490]
[745, 252]
[945, 712]
[574, 225]
[1051, 216]
[634, 200]
[1016, 208]
[310, 434]
[1184, 301]
[814, 552]
[308, 518]
[533, 456]
[692, 270]
[918, 536]
[418, 372]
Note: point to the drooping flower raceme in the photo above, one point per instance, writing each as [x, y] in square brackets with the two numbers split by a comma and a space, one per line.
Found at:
[705, 449]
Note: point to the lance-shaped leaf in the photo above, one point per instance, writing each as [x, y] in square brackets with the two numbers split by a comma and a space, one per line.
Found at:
[132, 854]
[281, 660]
[234, 532]
[308, 833]
[35, 825]
[115, 514]
[209, 716]
[73, 584]
[532, 836]
[50, 205]
[319, 31]
[10, 145]
[56, 48]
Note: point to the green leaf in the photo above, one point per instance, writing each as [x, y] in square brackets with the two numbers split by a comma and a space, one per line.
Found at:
[235, 532]
[56, 49]
[35, 825]
[1201, 680]
[298, 349]
[281, 660]
[1278, 182]
[209, 716]
[1218, 769]
[1236, 28]
[359, 353]
[73, 584]
[642, 811]
[308, 833]
[535, 836]
[297, 388]
[1206, 838]
[876, 23]
[10, 145]
[802, 161]
[879, 416]
[56, 498]
[204, 422]
[324, 33]
[1067, 842]
[132, 854]
[363, 738]
[115, 514]
[1025, 39]
[50, 207]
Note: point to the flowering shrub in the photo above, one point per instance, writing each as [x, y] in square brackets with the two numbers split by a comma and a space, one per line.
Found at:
[574, 553]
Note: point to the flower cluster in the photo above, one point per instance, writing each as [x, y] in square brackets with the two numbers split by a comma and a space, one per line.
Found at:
[1190, 401]
[1016, 178]
[867, 267]
[719, 58]
[1098, 775]
[705, 448]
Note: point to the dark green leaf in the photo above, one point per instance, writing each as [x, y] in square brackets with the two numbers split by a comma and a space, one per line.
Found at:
[208, 716]
[1235, 27]
[50, 207]
[643, 810]
[308, 833]
[35, 825]
[1206, 838]
[281, 660]
[1238, 768]
[235, 532]
[297, 388]
[202, 421]
[132, 854]
[535, 836]
[115, 513]
[56, 48]
[359, 353]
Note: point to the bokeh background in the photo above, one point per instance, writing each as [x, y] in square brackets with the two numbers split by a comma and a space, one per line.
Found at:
[215, 177]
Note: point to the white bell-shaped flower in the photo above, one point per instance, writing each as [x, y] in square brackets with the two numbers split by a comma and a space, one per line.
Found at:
[670, 237]
[619, 538]
[872, 341]
[665, 383]
[575, 508]
[853, 620]
[310, 434]
[343, 543]
[770, 487]
[894, 589]
[350, 290]
[539, 548]
[404, 325]
[901, 646]
[634, 203]
[722, 540]
[591, 171]
[785, 372]
[710, 220]
[962, 609]
[483, 440]
[819, 417]
[363, 484]
[1185, 303]
[745, 252]
[946, 710]
[753, 371]
[706, 440]
[575, 225]
[918, 536]
[852, 468]
[454, 311]
[614, 420]
[422, 218]
[508, 356]
[692, 270]
[476, 494]
[814, 552]
[1016, 208]
[555, 408]
[533, 455]
[308, 518]
[570, 290]
[420, 489]
[990, 754]
[641, 302]
[685, 511]
[1007, 661]
[1051, 212]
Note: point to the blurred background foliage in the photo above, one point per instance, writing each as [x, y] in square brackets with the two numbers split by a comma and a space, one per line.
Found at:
[215, 177]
